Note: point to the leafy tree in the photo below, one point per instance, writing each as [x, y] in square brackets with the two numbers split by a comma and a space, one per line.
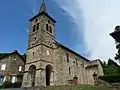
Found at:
[110, 68]
[112, 63]
[104, 64]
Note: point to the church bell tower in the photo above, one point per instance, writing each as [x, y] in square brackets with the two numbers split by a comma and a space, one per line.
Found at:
[42, 28]
[40, 52]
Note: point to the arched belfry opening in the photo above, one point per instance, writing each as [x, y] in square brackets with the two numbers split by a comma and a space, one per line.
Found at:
[32, 72]
[48, 71]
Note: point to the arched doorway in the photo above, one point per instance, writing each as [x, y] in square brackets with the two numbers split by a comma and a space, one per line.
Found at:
[32, 71]
[48, 71]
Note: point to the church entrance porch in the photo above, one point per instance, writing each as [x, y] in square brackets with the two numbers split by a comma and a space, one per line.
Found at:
[32, 72]
[48, 71]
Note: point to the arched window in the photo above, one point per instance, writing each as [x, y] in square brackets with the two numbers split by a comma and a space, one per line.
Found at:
[48, 74]
[76, 62]
[47, 27]
[69, 70]
[36, 20]
[50, 29]
[49, 21]
[37, 27]
[67, 55]
[33, 28]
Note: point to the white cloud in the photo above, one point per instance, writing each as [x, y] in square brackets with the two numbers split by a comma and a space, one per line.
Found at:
[100, 18]
[33, 6]
[27, 30]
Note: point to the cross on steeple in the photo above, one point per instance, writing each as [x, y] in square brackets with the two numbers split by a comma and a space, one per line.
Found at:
[43, 7]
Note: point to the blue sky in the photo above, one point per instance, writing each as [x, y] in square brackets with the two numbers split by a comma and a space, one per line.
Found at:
[82, 25]
[14, 24]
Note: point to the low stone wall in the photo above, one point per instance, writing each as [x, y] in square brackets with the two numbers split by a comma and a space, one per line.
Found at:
[45, 88]
[115, 85]
[102, 83]
[106, 84]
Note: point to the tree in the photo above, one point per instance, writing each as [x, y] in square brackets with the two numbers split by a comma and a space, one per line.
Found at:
[112, 63]
[117, 57]
[110, 68]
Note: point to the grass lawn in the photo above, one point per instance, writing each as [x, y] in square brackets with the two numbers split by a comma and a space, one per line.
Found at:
[80, 87]
[89, 87]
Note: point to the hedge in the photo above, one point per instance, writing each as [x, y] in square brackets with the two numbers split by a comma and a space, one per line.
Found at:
[8, 84]
[110, 79]
[17, 84]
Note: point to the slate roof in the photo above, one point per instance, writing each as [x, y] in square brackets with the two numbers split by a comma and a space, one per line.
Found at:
[43, 11]
[4, 55]
[43, 7]
[59, 44]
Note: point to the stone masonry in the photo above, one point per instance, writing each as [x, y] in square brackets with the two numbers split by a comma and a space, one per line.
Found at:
[12, 67]
[51, 63]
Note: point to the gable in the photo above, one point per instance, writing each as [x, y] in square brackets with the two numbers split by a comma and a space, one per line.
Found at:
[7, 55]
[43, 13]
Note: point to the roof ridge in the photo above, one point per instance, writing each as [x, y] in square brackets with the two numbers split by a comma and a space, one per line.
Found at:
[72, 50]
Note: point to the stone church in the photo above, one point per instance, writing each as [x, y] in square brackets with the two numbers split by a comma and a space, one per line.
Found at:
[51, 63]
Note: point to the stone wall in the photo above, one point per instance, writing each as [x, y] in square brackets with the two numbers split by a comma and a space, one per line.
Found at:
[42, 52]
[76, 64]
[12, 62]
[99, 82]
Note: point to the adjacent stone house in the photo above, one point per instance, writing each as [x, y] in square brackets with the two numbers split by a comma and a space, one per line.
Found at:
[50, 63]
[11, 67]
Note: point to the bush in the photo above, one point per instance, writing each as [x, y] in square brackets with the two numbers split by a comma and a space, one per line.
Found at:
[110, 79]
[1, 86]
[7, 84]
[17, 84]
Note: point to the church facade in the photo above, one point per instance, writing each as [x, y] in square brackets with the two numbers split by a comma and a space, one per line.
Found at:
[51, 63]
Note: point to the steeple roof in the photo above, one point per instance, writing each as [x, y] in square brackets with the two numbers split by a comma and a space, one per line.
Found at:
[43, 7]
[43, 11]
